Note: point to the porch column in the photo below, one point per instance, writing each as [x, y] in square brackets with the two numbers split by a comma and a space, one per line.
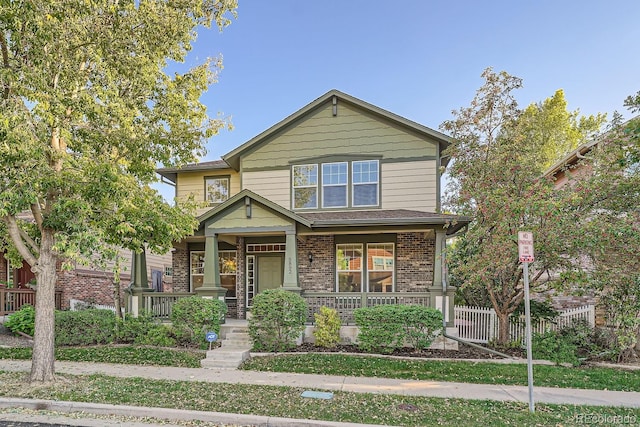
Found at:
[290, 282]
[139, 282]
[211, 287]
[438, 291]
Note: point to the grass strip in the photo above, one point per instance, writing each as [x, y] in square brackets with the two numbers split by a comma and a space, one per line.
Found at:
[456, 371]
[287, 402]
[131, 355]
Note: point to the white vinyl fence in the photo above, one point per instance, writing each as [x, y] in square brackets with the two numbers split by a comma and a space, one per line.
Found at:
[75, 305]
[479, 324]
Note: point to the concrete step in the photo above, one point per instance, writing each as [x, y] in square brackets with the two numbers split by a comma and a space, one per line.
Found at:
[225, 358]
[237, 343]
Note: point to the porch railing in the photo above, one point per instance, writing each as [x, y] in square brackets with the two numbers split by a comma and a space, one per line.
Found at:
[12, 299]
[345, 303]
[160, 304]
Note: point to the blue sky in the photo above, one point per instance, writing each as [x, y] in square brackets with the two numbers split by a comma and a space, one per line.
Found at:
[417, 58]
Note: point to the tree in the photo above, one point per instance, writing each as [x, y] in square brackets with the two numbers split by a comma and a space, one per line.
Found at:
[608, 198]
[496, 179]
[87, 112]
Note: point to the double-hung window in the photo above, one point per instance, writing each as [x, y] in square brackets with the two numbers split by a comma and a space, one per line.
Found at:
[370, 270]
[305, 187]
[227, 263]
[334, 185]
[365, 183]
[354, 184]
[216, 189]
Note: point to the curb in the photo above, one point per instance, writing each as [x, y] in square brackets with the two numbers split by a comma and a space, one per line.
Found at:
[167, 414]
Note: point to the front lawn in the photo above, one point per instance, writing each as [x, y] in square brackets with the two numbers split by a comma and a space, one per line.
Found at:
[287, 402]
[456, 371]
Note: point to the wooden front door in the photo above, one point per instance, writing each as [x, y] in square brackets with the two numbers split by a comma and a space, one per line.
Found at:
[270, 272]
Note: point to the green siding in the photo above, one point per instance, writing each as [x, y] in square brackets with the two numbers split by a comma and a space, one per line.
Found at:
[352, 131]
[260, 217]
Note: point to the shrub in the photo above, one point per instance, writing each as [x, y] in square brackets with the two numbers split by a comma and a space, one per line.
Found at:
[277, 320]
[385, 328]
[327, 330]
[23, 320]
[143, 330]
[85, 327]
[193, 316]
[571, 344]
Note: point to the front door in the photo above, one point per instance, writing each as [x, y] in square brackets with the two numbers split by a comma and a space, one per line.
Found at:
[270, 272]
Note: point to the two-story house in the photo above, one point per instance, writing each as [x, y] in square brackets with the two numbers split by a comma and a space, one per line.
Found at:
[339, 202]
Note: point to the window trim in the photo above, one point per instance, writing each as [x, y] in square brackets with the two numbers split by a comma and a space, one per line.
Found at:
[361, 271]
[220, 177]
[364, 265]
[350, 185]
[220, 252]
[345, 185]
[354, 184]
[294, 187]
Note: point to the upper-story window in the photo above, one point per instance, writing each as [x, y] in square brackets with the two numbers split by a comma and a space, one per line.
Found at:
[336, 185]
[305, 187]
[365, 183]
[216, 189]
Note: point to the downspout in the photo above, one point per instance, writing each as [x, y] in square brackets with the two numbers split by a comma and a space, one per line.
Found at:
[444, 312]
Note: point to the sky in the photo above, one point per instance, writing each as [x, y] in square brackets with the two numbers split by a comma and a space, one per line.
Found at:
[419, 59]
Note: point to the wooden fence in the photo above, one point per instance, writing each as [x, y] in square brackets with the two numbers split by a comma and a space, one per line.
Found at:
[12, 299]
[479, 324]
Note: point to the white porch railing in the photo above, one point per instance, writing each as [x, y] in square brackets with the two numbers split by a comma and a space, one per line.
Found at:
[479, 324]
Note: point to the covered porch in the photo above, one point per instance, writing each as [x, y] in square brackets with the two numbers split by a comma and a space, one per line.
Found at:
[342, 260]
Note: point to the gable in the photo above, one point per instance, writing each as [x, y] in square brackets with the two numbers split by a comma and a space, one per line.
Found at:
[334, 125]
[236, 218]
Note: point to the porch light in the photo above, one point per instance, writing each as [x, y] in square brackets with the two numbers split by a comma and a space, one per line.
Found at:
[310, 255]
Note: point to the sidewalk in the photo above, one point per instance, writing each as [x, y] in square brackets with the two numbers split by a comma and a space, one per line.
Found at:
[325, 382]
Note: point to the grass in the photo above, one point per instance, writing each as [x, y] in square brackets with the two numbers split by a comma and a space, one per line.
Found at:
[131, 355]
[456, 371]
[287, 402]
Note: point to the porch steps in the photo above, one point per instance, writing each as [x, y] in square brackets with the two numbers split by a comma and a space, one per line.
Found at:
[234, 347]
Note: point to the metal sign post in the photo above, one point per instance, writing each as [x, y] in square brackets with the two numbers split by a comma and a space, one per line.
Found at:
[525, 253]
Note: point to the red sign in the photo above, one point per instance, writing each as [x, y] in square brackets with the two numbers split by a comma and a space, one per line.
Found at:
[525, 246]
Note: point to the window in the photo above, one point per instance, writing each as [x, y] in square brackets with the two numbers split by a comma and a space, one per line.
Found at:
[380, 266]
[334, 185]
[349, 267]
[197, 269]
[227, 263]
[331, 182]
[216, 189]
[378, 271]
[305, 187]
[365, 183]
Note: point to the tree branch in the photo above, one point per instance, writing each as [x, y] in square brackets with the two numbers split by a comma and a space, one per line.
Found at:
[37, 214]
[14, 233]
[5, 62]
[29, 241]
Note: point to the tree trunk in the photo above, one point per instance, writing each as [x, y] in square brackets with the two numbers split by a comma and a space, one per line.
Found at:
[42, 364]
[503, 327]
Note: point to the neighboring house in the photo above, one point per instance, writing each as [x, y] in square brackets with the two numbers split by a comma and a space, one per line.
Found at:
[339, 202]
[91, 284]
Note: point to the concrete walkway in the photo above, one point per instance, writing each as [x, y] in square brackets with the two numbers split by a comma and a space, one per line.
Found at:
[323, 382]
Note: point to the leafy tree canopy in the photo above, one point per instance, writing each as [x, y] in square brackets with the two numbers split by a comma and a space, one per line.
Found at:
[87, 111]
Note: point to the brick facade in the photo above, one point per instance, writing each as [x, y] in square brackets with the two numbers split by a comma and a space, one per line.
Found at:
[240, 274]
[414, 262]
[180, 263]
[318, 275]
[3, 268]
[89, 286]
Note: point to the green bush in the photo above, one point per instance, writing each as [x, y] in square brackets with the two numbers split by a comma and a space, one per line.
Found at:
[85, 327]
[193, 317]
[327, 330]
[23, 320]
[385, 328]
[143, 330]
[277, 320]
[571, 344]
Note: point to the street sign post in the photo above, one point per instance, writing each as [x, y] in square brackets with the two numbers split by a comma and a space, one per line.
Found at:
[525, 253]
